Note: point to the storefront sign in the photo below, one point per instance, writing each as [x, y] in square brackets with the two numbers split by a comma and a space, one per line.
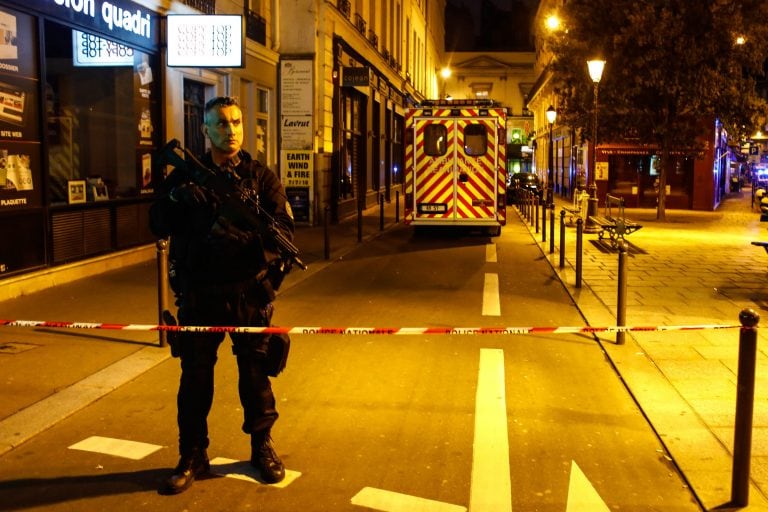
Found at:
[296, 132]
[198, 40]
[92, 50]
[601, 171]
[297, 176]
[355, 77]
[118, 19]
[297, 168]
[296, 87]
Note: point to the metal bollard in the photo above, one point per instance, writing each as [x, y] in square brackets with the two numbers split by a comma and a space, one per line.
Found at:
[162, 285]
[621, 301]
[745, 396]
[579, 242]
[544, 222]
[552, 228]
[397, 206]
[326, 233]
[524, 203]
[532, 208]
[536, 211]
[360, 220]
[381, 212]
[562, 238]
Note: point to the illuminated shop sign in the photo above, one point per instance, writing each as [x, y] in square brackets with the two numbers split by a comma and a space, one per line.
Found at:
[92, 50]
[199, 40]
[123, 20]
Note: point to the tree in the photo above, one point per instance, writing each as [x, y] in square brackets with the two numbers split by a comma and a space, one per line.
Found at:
[672, 68]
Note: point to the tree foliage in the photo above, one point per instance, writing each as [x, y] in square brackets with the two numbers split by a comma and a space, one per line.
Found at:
[672, 68]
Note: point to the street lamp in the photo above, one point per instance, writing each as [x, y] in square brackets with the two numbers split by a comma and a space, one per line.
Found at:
[551, 116]
[445, 73]
[595, 73]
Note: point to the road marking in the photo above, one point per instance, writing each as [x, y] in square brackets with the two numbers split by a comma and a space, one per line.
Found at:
[491, 486]
[242, 470]
[29, 422]
[387, 501]
[582, 496]
[490, 253]
[117, 447]
[491, 305]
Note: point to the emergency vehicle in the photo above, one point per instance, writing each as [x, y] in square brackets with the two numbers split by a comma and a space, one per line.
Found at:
[455, 164]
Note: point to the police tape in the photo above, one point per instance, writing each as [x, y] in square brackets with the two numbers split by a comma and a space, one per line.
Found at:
[364, 330]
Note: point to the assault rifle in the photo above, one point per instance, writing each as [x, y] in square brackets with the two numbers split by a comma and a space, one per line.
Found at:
[236, 203]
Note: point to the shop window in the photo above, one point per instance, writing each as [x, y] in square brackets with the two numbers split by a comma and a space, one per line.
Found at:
[103, 112]
[475, 140]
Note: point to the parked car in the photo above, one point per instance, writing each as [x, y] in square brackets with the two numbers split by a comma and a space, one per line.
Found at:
[522, 181]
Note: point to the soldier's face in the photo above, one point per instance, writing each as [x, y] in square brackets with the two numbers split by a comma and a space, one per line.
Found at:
[224, 128]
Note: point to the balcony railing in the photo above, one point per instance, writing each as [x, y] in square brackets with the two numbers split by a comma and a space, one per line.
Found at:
[204, 6]
[374, 39]
[360, 23]
[345, 6]
[255, 27]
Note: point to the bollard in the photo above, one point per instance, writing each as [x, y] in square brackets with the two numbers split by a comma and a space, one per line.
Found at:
[162, 285]
[621, 301]
[397, 206]
[745, 395]
[552, 228]
[544, 222]
[579, 241]
[360, 220]
[326, 233]
[381, 212]
[536, 211]
[531, 209]
[562, 238]
[526, 204]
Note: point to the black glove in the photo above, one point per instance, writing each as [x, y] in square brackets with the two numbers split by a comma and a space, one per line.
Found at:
[190, 194]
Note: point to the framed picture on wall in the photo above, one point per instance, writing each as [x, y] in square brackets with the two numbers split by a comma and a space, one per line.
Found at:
[76, 190]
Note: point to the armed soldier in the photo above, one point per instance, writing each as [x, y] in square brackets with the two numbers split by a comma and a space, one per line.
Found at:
[223, 273]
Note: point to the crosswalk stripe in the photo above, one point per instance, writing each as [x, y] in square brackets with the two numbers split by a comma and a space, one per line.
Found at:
[118, 447]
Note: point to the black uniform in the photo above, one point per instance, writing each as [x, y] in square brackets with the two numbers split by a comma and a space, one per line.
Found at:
[222, 276]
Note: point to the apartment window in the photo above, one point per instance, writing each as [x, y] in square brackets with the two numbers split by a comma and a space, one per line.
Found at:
[262, 125]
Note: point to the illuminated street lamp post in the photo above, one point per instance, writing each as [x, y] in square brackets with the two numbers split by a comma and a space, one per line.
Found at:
[445, 73]
[551, 116]
[595, 73]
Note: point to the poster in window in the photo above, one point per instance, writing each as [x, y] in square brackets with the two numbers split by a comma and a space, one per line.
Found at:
[76, 191]
[97, 189]
[146, 179]
[19, 172]
[18, 109]
[18, 43]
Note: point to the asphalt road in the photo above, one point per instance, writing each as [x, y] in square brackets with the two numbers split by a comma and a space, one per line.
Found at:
[442, 423]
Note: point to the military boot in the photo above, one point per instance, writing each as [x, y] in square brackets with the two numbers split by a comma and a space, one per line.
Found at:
[264, 458]
[190, 466]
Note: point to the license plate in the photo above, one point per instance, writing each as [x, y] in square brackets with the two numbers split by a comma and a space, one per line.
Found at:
[433, 207]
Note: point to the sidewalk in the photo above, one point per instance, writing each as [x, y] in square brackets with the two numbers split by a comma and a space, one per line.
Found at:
[697, 268]
[56, 372]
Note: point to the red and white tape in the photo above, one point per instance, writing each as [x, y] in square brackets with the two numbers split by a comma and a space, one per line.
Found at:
[364, 330]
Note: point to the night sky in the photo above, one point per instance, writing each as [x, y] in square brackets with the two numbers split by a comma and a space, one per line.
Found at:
[489, 25]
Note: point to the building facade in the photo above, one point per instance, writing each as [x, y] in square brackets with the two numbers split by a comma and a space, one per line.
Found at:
[505, 77]
[92, 91]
